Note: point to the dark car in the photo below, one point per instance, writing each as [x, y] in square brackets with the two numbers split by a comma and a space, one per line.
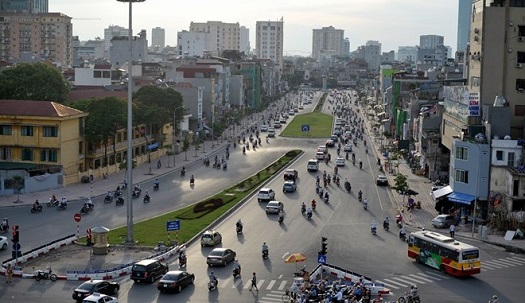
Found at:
[95, 286]
[290, 174]
[148, 270]
[220, 256]
[175, 280]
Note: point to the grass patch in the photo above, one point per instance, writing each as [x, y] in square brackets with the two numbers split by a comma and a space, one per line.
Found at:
[196, 217]
[320, 126]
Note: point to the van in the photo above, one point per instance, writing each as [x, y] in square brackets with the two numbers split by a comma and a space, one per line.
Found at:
[148, 270]
[312, 165]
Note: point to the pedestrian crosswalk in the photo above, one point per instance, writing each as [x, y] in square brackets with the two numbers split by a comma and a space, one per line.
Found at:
[429, 276]
[262, 284]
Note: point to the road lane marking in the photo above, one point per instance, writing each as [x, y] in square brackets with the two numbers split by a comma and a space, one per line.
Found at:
[259, 285]
[410, 280]
[496, 264]
[503, 261]
[387, 284]
[270, 285]
[395, 282]
[419, 277]
[224, 283]
[487, 267]
[439, 275]
[283, 284]
[431, 277]
[517, 260]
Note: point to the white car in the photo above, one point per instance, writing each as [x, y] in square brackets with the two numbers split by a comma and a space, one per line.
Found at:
[319, 156]
[3, 243]
[274, 207]
[271, 132]
[264, 128]
[340, 161]
[100, 298]
[266, 194]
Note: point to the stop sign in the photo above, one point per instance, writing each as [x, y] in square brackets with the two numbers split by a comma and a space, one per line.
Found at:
[77, 217]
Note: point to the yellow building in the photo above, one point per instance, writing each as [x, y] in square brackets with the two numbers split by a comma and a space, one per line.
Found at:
[41, 136]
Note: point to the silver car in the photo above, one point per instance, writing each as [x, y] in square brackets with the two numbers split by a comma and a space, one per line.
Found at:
[443, 221]
[274, 207]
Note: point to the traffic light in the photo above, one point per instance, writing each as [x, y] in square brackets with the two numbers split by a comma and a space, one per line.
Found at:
[323, 246]
[16, 234]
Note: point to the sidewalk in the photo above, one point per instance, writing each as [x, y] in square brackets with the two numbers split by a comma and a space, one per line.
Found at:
[422, 218]
[142, 173]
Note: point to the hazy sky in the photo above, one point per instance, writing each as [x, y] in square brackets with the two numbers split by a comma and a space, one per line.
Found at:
[393, 23]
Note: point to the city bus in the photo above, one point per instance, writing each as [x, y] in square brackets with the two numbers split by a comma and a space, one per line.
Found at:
[444, 253]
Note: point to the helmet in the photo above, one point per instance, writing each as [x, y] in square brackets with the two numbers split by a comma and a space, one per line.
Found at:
[494, 297]
[264, 243]
[413, 287]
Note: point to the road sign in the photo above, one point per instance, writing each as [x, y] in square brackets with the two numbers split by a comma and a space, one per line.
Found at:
[16, 246]
[321, 259]
[305, 128]
[77, 217]
[173, 225]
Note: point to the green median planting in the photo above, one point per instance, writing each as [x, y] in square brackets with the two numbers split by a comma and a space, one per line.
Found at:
[319, 125]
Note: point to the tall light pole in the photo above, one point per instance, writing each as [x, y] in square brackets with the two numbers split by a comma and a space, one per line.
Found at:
[175, 131]
[129, 159]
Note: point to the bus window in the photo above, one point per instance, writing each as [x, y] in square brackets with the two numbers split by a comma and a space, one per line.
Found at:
[411, 241]
[470, 254]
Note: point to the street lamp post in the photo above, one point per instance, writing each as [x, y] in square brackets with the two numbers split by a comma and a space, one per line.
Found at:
[175, 131]
[129, 159]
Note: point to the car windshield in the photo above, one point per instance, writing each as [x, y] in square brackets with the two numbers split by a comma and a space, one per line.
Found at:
[216, 253]
[170, 277]
[138, 268]
[206, 236]
[86, 286]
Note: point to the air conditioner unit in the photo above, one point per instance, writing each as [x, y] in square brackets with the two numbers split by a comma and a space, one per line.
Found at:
[519, 65]
[521, 39]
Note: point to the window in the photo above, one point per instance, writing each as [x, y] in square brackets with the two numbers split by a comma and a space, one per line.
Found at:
[499, 155]
[48, 155]
[461, 176]
[519, 110]
[520, 85]
[5, 153]
[521, 57]
[27, 131]
[462, 153]
[510, 159]
[27, 154]
[5, 130]
[50, 131]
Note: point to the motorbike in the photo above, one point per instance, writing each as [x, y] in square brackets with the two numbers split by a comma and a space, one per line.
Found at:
[146, 199]
[244, 150]
[4, 226]
[192, 181]
[399, 221]
[348, 187]
[108, 199]
[45, 275]
[182, 261]
[386, 226]
[360, 165]
[86, 208]
[212, 285]
[280, 219]
[403, 236]
[36, 209]
[236, 273]
[52, 202]
[265, 254]
[117, 194]
[136, 193]
[409, 298]
[373, 230]
[303, 209]
[119, 201]
[353, 162]
[326, 199]
[224, 166]
[238, 229]
[156, 186]
[62, 206]
[365, 206]
[309, 216]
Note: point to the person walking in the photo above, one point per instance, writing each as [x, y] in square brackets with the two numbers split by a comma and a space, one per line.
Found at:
[254, 282]
[452, 230]
[9, 274]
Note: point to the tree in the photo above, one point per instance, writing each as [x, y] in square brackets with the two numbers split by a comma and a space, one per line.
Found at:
[18, 185]
[401, 184]
[34, 81]
[185, 146]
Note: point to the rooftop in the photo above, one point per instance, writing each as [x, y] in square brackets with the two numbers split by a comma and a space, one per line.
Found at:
[36, 108]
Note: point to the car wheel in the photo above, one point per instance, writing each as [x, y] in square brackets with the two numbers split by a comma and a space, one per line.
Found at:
[115, 290]
[152, 279]
[179, 289]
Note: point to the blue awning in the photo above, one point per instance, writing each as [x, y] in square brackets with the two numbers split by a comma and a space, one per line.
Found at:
[461, 198]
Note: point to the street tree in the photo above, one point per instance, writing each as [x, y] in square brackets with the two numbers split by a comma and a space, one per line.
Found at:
[33, 81]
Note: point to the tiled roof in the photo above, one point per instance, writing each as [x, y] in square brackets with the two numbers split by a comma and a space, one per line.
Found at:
[36, 108]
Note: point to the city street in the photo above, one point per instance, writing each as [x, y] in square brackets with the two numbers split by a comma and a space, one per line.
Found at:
[343, 221]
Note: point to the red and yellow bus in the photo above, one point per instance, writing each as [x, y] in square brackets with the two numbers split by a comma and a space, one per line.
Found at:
[444, 253]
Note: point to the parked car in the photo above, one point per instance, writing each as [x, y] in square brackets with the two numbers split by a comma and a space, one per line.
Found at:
[90, 287]
[381, 180]
[148, 270]
[3, 243]
[282, 121]
[174, 281]
[289, 187]
[220, 256]
[211, 238]
[274, 207]
[290, 174]
[265, 194]
[291, 112]
[443, 221]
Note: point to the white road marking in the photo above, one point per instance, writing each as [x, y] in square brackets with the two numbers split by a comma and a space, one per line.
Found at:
[387, 284]
[419, 277]
[395, 282]
[283, 284]
[270, 285]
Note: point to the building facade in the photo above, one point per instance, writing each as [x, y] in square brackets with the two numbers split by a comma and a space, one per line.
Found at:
[244, 43]
[158, 38]
[24, 6]
[430, 41]
[119, 51]
[191, 43]
[269, 37]
[464, 14]
[33, 37]
[111, 32]
[373, 55]
[220, 35]
[327, 39]
[407, 54]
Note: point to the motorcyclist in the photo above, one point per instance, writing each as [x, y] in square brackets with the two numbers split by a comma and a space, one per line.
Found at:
[360, 195]
[53, 198]
[353, 156]
[125, 184]
[365, 203]
[373, 226]
[413, 291]
[402, 232]
[192, 179]
[108, 196]
[309, 212]
[313, 203]
[360, 164]
[303, 208]
[264, 248]
[237, 266]
[63, 202]
[36, 204]
[146, 196]
[318, 180]
[136, 188]
[89, 203]
[156, 183]
[239, 224]
[386, 223]
[183, 170]
[326, 196]
[281, 217]
[213, 279]
[5, 224]
[182, 257]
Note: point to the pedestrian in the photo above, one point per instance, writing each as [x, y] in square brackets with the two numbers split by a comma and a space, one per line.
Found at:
[159, 164]
[254, 282]
[9, 274]
[452, 230]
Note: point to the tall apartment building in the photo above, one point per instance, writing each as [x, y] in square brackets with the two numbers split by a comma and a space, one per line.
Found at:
[191, 44]
[464, 14]
[29, 37]
[245, 40]
[430, 41]
[158, 38]
[119, 52]
[327, 40]
[407, 53]
[346, 47]
[111, 32]
[24, 6]
[269, 36]
[373, 55]
[221, 36]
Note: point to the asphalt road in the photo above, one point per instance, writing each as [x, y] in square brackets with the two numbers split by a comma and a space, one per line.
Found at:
[350, 245]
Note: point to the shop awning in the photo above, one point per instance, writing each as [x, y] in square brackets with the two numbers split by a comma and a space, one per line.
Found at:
[381, 114]
[461, 198]
[447, 190]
